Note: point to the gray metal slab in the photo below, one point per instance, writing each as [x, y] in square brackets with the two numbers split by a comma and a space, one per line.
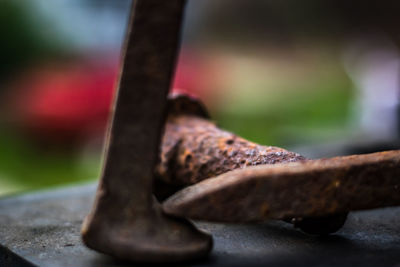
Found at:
[43, 229]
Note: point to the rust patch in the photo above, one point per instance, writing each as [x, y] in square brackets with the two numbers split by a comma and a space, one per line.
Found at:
[194, 148]
[306, 189]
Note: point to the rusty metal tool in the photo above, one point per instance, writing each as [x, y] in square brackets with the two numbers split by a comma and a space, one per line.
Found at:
[126, 221]
[312, 188]
[194, 148]
[315, 195]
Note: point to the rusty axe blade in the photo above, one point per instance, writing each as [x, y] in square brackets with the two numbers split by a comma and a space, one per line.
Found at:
[312, 188]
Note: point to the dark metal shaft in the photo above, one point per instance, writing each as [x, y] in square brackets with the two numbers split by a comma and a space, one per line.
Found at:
[126, 222]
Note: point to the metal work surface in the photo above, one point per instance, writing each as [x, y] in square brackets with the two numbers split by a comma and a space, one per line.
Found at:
[44, 229]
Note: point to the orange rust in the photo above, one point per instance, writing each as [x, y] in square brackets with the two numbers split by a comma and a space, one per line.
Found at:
[294, 190]
[194, 149]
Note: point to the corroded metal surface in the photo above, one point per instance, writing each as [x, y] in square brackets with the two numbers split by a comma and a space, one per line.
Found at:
[126, 221]
[195, 149]
[304, 189]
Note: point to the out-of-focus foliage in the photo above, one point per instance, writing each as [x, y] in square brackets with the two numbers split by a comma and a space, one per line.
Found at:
[26, 166]
[270, 71]
[284, 99]
[23, 40]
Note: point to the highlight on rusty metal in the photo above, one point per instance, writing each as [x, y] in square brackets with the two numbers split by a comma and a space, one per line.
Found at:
[194, 148]
[304, 189]
[126, 221]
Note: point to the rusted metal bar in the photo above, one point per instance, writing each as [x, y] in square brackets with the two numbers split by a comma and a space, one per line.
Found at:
[303, 189]
[126, 221]
[195, 149]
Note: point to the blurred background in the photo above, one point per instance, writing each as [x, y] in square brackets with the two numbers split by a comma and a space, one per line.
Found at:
[318, 77]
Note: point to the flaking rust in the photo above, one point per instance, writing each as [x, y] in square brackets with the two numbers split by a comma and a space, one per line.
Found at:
[195, 149]
[312, 188]
[229, 187]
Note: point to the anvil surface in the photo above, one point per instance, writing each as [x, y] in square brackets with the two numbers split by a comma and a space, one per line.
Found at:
[43, 229]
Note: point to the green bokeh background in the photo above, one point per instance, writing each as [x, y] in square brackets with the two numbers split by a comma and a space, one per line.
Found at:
[280, 102]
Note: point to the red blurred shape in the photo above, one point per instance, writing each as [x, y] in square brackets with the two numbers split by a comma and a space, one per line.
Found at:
[72, 101]
[64, 102]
